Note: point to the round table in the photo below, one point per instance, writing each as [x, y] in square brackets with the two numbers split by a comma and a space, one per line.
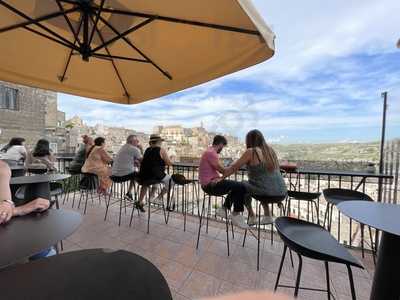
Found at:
[25, 236]
[37, 185]
[86, 274]
[386, 218]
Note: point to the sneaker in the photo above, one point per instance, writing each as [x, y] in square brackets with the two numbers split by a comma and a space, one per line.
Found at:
[222, 212]
[252, 221]
[139, 206]
[128, 196]
[267, 220]
[239, 221]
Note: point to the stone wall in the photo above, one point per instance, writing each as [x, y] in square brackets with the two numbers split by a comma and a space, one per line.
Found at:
[29, 120]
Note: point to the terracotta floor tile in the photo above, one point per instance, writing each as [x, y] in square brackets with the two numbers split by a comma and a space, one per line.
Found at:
[175, 274]
[199, 285]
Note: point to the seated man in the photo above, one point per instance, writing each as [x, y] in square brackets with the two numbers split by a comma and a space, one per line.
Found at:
[126, 161]
[8, 209]
[80, 156]
[212, 182]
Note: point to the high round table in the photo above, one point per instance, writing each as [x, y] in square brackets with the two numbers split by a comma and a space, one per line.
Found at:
[37, 185]
[386, 218]
[25, 236]
[86, 274]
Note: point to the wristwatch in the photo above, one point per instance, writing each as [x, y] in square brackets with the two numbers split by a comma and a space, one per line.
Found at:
[9, 202]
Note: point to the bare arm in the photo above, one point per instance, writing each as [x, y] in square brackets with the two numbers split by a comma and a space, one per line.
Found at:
[235, 166]
[104, 156]
[165, 157]
[6, 206]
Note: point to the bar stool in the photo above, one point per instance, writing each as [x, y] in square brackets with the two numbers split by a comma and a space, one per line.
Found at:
[315, 242]
[335, 196]
[201, 216]
[308, 197]
[180, 190]
[119, 188]
[71, 184]
[87, 185]
[163, 205]
[271, 200]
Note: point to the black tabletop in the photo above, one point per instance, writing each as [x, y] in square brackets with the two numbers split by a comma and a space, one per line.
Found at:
[382, 216]
[86, 274]
[38, 178]
[25, 236]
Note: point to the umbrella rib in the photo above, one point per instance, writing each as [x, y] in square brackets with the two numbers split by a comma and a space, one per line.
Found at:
[42, 18]
[183, 21]
[113, 64]
[96, 21]
[67, 20]
[21, 14]
[48, 37]
[119, 36]
[76, 34]
[165, 73]
[103, 56]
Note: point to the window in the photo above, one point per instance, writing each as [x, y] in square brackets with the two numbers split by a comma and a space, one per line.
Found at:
[8, 98]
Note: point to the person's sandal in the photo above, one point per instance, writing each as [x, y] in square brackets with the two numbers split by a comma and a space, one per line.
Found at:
[140, 206]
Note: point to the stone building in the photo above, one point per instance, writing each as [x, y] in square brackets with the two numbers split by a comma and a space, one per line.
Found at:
[22, 112]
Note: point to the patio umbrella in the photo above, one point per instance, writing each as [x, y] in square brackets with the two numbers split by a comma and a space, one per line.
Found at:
[128, 51]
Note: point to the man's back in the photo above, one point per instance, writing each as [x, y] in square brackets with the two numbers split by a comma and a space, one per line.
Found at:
[207, 171]
[124, 162]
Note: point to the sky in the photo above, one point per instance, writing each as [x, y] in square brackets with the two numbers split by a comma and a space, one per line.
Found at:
[333, 60]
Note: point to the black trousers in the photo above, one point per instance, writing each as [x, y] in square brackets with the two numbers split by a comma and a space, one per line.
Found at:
[235, 191]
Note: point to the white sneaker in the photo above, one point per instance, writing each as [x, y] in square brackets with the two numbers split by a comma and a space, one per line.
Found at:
[252, 221]
[267, 220]
[222, 212]
[239, 221]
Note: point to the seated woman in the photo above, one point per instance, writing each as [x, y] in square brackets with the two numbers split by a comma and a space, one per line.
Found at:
[264, 174]
[41, 157]
[14, 152]
[8, 209]
[152, 168]
[97, 162]
[80, 157]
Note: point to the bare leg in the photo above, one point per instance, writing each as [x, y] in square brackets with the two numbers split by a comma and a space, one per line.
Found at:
[131, 185]
[266, 209]
[142, 194]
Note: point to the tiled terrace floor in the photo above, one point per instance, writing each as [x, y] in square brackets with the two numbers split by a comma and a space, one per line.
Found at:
[193, 274]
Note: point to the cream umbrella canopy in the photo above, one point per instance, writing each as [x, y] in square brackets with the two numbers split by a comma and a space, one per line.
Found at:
[128, 51]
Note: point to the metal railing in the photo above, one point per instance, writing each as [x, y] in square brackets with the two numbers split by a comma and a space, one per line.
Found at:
[345, 230]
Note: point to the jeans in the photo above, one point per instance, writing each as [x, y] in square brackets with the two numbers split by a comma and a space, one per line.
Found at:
[236, 193]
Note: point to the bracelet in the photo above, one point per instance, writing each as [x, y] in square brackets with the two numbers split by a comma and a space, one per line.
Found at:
[9, 202]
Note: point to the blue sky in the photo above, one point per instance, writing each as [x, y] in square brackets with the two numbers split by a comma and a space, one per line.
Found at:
[333, 60]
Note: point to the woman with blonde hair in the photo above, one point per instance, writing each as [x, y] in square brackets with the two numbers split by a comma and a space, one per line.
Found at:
[265, 178]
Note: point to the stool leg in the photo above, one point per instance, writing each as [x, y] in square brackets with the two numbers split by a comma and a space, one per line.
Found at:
[80, 199]
[328, 284]
[258, 239]
[208, 212]
[121, 197]
[296, 290]
[372, 245]
[326, 216]
[108, 202]
[57, 204]
[148, 217]
[280, 268]
[184, 207]
[353, 292]
[200, 221]
[291, 258]
[87, 198]
[244, 237]
[362, 239]
[227, 229]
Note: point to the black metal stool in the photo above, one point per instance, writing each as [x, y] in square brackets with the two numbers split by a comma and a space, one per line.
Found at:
[312, 241]
[179, 191]
[335, 196]
[308, 197]
[269, 200]
[87, 185]
[201, 216]
[71, 184]
[166, 212]
[119, 188]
